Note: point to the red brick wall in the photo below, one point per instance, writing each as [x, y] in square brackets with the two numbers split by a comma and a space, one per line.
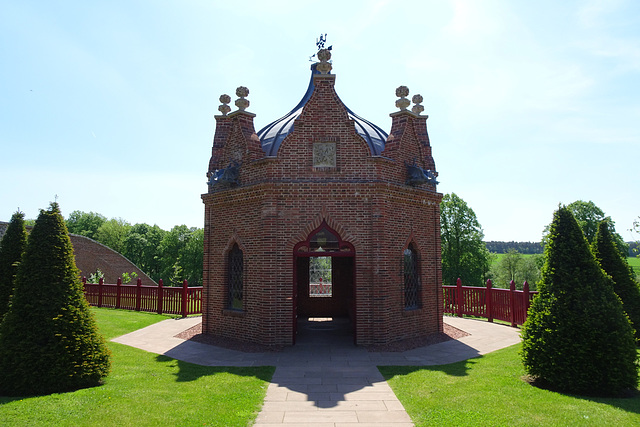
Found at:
[281, 200]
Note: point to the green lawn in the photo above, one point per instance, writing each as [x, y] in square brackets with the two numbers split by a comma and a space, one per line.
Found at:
[489, 391]
[147, 389]
[634, 262]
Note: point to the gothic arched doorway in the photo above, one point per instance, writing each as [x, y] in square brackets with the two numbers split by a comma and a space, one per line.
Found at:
[324, 279]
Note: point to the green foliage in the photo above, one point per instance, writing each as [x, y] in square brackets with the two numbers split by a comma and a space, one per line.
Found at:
[514, 266]
[48, 339]
[526, 248]
[320, 268]
[577, 338]
[182, 250]
[464, 254]
[112, 233]
[588, 216]
[85, 223]
[173, 255]
[142, 247]
[614, 265]
[95, 277]
[127, 278]
[11, 248]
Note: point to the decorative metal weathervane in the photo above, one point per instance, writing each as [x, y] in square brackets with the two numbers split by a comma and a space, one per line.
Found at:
[320, 45]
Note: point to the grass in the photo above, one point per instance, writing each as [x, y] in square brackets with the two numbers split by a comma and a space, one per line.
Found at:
[634, 262]
[489, 390]
[147, 389]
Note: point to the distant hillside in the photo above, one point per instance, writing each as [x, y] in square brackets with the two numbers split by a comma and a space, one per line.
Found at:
[522, 247]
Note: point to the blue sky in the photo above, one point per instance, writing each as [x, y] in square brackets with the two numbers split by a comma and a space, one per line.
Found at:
[110, 105]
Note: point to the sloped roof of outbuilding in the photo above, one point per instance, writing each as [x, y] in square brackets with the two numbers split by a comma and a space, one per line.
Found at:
[272, 135]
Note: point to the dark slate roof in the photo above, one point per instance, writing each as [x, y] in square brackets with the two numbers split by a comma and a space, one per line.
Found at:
[272, 135]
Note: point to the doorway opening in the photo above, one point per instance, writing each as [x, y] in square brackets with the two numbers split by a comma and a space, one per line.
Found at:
[324, 291]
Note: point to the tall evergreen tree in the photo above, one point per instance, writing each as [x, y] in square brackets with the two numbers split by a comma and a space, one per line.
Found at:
[624, 284]
[11, 248]
[577, 338]
[49, 341]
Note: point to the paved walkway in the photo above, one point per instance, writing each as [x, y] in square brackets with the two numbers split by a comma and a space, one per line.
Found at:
[324, 380]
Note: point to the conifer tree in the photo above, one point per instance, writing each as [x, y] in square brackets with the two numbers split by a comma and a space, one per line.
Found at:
[11, 248]
[577, 338]
[624, 284]
[48, 339]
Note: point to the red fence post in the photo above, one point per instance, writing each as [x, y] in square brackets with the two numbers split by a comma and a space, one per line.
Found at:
[84, 280]
[512, 303]
[525, 301]
[459, 296]
[100, 283]
[118, 292]
[185, 291]
[138, 294]
[488, 300]
[160, 292]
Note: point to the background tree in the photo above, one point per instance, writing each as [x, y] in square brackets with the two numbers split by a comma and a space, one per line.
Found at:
[614, 265]
[577, 337]
[514, 266]
[85, 223]
[464, 254]
[191, 257]
[142, 247]
[589, 216]
[113, 233]
[11, 248]
[49, 341]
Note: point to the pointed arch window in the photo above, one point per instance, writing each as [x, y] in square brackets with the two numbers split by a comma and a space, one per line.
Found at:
[412, 288]
[235, 278]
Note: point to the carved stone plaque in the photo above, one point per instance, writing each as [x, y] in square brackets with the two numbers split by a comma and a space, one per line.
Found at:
[324, 154]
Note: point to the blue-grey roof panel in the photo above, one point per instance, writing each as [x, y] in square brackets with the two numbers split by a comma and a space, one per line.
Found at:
[272, 135]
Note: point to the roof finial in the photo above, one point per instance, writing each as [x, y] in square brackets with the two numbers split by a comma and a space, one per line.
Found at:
[320, 45]
[241, 102]
[224, 107]
[402, 103]
[418, 108]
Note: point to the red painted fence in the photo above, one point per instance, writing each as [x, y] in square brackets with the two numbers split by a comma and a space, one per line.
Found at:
[508, 305]
[155, 299]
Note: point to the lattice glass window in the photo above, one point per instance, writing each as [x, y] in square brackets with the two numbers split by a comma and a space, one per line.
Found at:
[235, 277]
[320, 283]
[411, 279]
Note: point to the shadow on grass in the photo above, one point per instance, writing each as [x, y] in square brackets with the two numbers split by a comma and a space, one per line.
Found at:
[187, 372]
[457, 369]
[629, 401]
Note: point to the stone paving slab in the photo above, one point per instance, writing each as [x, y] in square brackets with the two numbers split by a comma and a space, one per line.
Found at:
[320, 384]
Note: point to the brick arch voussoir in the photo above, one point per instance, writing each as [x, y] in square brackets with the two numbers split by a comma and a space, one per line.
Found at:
[234, 239]
[322, 216]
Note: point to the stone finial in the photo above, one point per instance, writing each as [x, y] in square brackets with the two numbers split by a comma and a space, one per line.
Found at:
[241, 102]
[324, 66]
[224, 107]
[402, 92]
[417, 99]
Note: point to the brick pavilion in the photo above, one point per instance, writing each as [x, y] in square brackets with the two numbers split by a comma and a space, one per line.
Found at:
[322, 214]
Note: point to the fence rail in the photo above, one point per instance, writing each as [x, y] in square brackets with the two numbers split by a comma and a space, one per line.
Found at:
[159, 299]
[509, 305]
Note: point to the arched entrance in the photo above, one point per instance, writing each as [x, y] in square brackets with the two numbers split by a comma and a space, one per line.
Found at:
[324, 279]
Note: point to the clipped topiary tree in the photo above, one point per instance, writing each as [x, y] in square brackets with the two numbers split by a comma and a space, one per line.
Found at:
[11, 248]
[624, 284]
[577, 338]
[48, 339]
